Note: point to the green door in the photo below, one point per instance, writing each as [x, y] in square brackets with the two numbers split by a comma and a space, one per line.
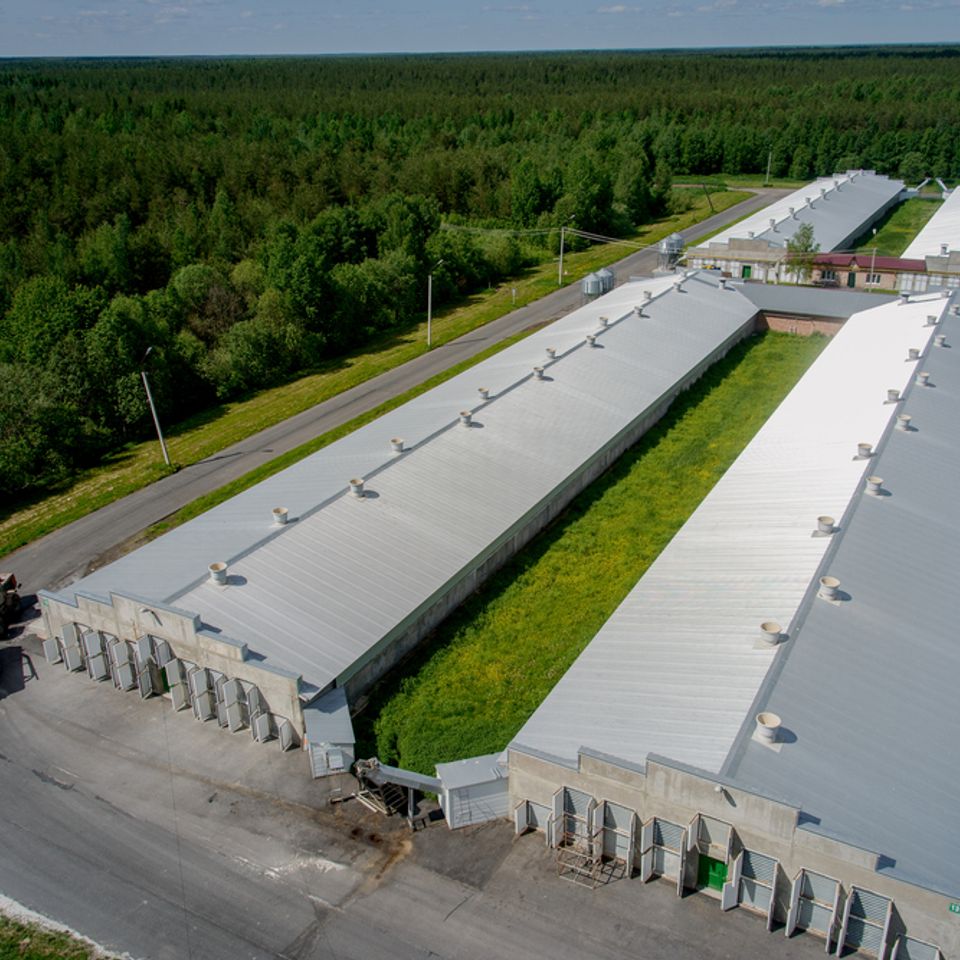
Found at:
[745, 273]
[851, 279]
[711, 873]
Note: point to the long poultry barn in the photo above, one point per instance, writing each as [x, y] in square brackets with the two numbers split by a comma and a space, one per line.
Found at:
[276, 609]
[770, 715]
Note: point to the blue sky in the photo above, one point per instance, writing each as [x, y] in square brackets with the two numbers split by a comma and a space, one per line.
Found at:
[134, 27]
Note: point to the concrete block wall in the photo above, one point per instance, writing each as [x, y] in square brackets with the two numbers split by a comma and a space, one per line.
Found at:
[129, 618]
[763, 824]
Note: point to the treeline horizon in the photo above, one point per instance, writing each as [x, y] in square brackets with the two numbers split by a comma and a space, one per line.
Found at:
[251, 218]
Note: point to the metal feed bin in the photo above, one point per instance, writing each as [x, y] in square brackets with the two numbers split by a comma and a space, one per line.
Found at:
[591, 286]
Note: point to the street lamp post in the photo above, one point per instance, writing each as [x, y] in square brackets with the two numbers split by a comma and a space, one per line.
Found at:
[873, 258]
[430, 303]
[153, 409]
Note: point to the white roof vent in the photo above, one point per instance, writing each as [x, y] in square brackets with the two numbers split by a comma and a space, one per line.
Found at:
[893, 396]
[604, 321]
[770, 631]
[218, 573]
[773, 224]
[551, 352]
[396, 445]
[829, 588]
[944, 249]
[903, 422]
[932, 319]
[875, 486]
[647, 294]
[538, 373]
[923, 378]
[280, 515]
[356, 487]
[913, 353]
[678, 285]
[823, 192]
[768, 726]
[809, 201]
[793, 212]
[750, 234]
[592, 339]
[484, 393]
[864, 451]
[825, 525]
[466, 418]
[940, 340]
[904, 296]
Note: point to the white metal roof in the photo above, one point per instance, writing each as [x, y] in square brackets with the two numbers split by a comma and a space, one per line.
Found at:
[836, 218]
[472, 771]
[318, 595]
[867, 688]
[942, 227]
[676, 667]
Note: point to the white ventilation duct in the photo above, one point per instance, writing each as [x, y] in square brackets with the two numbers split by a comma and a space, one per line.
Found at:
[396, 445]
[829, 588]
[538, 373]
[218, 573]
[923, 378]
[466, 418]
[904, 296]
[864, 451]
[823, 192]
[768, 726]
[913, 353]
[484, 393]
[551, 352]
[903, 422]
[356, 487]
[750, 234]
[592, 339]
[604, 321]
[809, 201]
[893, 396]
[940, 340]
[932, 319]
[825, 524]
[874, 486]
[944, 250]
[773, 224]
[647, 295]
[280, 515]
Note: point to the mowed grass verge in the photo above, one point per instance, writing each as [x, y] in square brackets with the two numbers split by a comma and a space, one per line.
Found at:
[900, 226]
[471, 687]
[28, 941]
[211, 431]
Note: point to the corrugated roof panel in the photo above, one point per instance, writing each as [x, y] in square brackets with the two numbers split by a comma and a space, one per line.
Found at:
[315, 595]
[676, 667]
[942, 228]
[870, 685]
[834, 218]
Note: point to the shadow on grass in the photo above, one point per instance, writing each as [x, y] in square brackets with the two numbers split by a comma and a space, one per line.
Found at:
[395, 682]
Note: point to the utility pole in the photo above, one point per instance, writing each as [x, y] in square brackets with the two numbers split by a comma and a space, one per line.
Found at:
[766, 182]
[563, 230]
[430, 303]
[153, 409]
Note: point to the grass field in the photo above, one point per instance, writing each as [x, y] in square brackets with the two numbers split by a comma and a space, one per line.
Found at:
[26, 941]
[475, 682]
[139, 464]
[900, 226]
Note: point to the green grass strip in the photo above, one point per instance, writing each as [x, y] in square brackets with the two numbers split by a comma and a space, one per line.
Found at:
[28, 941]
[898, 228]
[472, 685]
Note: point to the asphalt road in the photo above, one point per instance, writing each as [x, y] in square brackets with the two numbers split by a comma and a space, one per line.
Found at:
[168, 839]
[71, 552]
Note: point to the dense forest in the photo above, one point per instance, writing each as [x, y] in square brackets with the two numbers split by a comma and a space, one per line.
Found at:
[251, 218]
